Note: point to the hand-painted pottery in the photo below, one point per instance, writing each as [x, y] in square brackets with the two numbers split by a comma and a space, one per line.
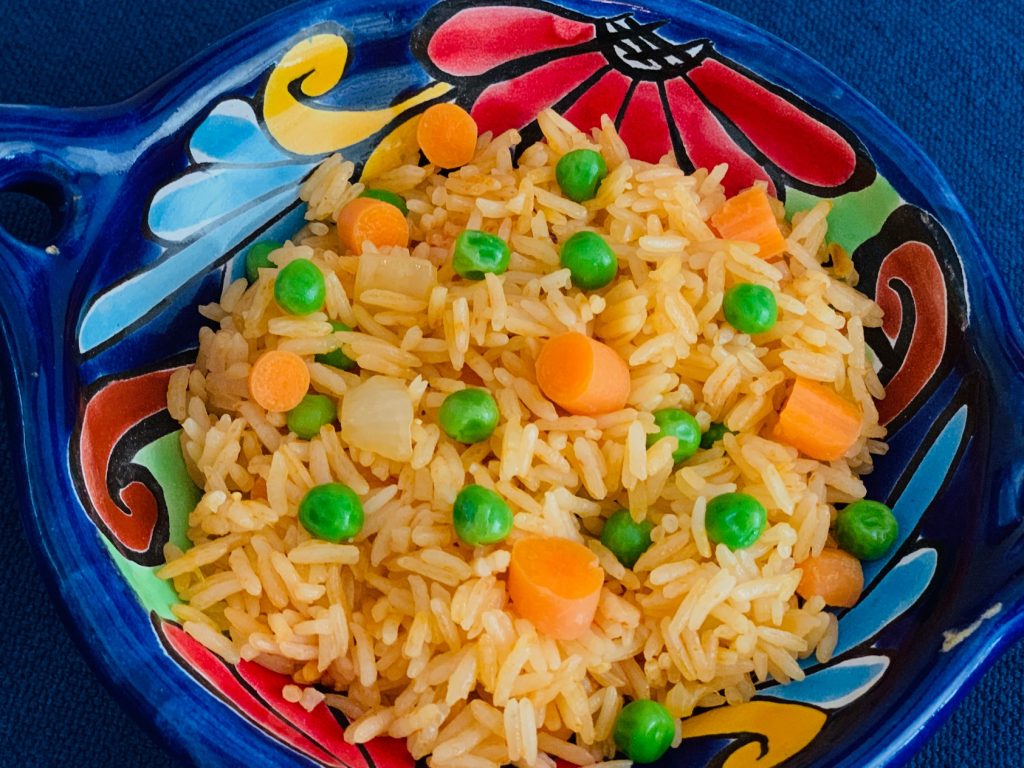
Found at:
[159, 196]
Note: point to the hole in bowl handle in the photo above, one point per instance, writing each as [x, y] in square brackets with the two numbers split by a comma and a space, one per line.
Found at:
[43, 154]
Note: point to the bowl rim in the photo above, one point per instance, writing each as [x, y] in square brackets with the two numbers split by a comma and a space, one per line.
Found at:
[981, 278]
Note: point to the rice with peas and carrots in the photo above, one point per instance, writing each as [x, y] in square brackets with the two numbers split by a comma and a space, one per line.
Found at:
[405, 629]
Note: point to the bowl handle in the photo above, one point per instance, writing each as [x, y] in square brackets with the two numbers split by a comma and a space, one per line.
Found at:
[63, 158]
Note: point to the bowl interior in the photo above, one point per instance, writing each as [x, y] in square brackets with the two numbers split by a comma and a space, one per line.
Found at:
[684, 80]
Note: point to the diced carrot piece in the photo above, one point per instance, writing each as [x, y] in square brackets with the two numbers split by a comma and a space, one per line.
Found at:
[259, 489]
[278, 380]
[365, 219]
[748, 216]
[582, 375]
[556, 584]
[818, 421]
[834, 575]
[447, 135]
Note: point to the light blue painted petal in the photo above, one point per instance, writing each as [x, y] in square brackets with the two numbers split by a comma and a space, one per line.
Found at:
[197, 200]
[895, 593]
[232, 134]
[130, 301]
[919, 493]
[833, 686]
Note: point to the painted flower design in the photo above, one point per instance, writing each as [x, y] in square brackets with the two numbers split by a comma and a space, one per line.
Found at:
[242, 181]
[509, 62]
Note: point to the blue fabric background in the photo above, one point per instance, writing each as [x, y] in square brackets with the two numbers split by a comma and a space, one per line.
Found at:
[950, 73]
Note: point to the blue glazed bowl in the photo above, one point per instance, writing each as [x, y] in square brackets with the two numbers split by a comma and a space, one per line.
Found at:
[160, 195]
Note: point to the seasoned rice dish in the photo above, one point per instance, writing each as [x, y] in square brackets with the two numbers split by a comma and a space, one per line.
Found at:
[383, 542]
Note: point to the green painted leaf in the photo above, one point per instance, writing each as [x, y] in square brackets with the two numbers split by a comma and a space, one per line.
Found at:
[163, 458]
[855, 216]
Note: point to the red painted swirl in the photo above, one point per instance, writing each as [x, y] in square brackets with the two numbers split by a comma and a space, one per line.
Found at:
[131, 518]
[915, 265]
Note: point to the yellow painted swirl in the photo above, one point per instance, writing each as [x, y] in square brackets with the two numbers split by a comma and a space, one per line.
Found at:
[776, 731]
[317, 64]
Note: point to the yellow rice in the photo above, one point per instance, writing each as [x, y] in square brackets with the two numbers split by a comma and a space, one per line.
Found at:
[408, 632]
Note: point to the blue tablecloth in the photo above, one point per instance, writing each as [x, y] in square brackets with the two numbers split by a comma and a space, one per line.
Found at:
[950, 73]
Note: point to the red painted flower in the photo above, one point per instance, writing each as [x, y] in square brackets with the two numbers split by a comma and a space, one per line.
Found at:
[255, 693]
[512, 61]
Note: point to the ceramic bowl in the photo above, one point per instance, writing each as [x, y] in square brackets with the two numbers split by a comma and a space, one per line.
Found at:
[158, 197]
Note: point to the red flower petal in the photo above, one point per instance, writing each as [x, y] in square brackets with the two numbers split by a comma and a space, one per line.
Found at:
[516, 102]
[803, 147]
[475, 40]
[603, 98]
[214, 671]
[644, 128]
[707, 143]
[389, 753]
[915, 265]
[319, 724]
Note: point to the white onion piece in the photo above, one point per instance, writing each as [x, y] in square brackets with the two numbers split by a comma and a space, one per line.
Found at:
[376, 416]
[399, 272]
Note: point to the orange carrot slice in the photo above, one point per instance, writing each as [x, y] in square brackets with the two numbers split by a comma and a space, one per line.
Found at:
[583, 376]
[278, 380]
[818, 421]
[556, 584]
[365, 219]
[447, 135]
[748, 216]
[834, 575]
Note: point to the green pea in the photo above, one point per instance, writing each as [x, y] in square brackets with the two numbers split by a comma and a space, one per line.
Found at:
[750, 308]
[258, 257]
[388, 197]
[677, 423]
[644, 730]
[735, 519]
[867, 529]
[625, 538]
[331, 512]
[469, 415]
[590, 260]
[579, 173]
[336, 358]
[476, 253]
[481, 516]
[312, 412]
[300, 288]
[715, 432]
